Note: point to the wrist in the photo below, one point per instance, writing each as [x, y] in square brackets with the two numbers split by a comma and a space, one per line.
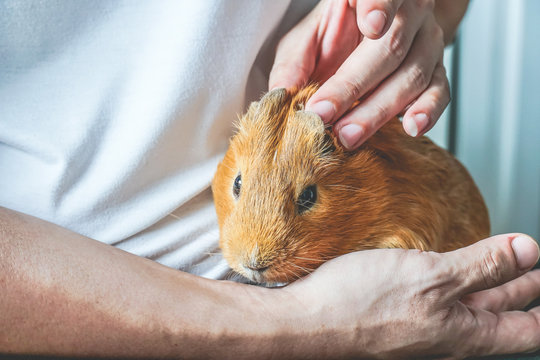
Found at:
[255, 322]
[233, 320]
[319, 328]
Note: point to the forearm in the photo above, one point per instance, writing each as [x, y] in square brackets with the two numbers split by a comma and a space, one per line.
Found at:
[63, 293]
[449, 14]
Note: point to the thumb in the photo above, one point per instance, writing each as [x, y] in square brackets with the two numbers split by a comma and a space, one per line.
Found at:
[490, 263]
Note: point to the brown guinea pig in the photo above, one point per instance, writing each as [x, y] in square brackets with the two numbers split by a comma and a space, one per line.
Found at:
[288, 197]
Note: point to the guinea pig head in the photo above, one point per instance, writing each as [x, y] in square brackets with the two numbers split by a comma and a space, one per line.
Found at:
[275, 191]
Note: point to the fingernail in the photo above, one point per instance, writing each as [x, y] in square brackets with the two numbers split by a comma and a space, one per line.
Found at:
[325, 109]
[526, 252]
[422, 121]
[415, 124]
[350, 134]
[375, 21]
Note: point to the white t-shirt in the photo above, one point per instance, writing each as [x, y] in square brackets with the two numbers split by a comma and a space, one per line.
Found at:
[114, 115]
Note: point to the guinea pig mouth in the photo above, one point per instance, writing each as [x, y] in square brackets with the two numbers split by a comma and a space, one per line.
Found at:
[268, 276]
[253, 274]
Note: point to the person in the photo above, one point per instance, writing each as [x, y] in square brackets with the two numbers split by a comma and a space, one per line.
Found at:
[114, 118]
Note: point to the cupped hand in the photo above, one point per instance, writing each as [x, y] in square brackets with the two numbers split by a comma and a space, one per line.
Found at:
[385, 53]
[405, 303]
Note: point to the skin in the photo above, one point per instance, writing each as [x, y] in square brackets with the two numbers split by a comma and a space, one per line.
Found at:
[385, 53]
[65, 294]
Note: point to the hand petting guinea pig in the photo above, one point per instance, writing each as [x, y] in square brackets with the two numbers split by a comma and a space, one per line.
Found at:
[288, 197]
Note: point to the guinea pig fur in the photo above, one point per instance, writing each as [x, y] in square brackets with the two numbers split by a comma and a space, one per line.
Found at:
[288, 196]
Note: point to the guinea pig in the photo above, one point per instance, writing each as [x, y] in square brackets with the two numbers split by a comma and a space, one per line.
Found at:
[288, 197]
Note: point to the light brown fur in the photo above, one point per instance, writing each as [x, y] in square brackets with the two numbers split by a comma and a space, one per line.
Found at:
[394, 191]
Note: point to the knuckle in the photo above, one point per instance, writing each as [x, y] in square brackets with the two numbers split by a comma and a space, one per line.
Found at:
[396, 44]
[418, 77]
[380, 113]
[434, 33]
[491, 269]
[438, 36]
[352, 88]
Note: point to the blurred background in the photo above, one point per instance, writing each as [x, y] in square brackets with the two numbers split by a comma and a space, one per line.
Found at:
[493, 122]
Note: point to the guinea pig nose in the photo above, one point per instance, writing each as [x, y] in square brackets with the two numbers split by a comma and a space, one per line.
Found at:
[259, 268]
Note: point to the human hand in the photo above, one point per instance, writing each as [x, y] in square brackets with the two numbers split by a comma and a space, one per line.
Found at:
[391, 303]
[385, 53]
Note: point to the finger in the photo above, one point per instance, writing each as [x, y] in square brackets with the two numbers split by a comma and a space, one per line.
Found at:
[375, 16]
[508, 332]
[424, 112]
[393, 94]
[296, 53]
[369, 64]
[514, 295]
[338, 37]
[487, 264]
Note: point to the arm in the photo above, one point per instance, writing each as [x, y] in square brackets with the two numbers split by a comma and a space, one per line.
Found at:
[65, 294]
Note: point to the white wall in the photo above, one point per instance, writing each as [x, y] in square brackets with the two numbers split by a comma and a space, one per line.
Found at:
[498, 109]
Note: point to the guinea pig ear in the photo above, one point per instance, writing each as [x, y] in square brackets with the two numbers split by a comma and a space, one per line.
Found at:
[310, 122]
[268, 113]
[325, 141]
[270, 107]
[304, 133]
[273, 100]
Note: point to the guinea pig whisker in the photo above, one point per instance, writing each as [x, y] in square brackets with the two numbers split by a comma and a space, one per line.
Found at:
[292, 273]
[301, 267]
[296, 275]
[232, 275]
[229, 275]
[309, 259]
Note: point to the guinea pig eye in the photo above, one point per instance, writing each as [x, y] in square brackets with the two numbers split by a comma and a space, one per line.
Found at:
[307, 199]
[237, 185]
